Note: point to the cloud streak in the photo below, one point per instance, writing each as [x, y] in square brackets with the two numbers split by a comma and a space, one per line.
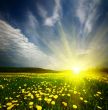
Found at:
[51, 20]
[86, 11]
[19, 51]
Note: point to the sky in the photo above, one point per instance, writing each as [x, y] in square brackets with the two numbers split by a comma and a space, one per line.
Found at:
[54, 34]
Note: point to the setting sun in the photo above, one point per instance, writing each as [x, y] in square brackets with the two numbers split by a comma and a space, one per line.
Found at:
[76, 70]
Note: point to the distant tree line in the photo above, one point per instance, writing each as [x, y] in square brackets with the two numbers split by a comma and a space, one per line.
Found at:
[25, 70]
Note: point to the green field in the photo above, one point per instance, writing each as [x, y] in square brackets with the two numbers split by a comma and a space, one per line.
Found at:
[52, 91]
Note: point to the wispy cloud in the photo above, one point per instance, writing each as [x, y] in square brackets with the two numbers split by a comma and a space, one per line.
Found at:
[51, 20]
[86, 11]
[14, 45]
[32, 22]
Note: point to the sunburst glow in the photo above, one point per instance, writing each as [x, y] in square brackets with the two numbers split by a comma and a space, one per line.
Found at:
[76, 70]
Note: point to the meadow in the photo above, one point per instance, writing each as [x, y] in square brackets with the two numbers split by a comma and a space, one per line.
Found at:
[52, 91]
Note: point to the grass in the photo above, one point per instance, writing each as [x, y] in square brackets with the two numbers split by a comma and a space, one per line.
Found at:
[52, 92]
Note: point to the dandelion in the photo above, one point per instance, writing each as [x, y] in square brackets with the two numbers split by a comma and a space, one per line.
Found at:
[1, 86]
[79, 93]
[10, 107]
[55, 96]
[18, 96]
[75, 92]
[65, 89]
[51, 96]
[85, 101]
[9, 104]
[10, 98]
[101, 98]
[38, 107]
[25, 98]
[23, 90]
[99, 107]
[13, 92]
[53, 103]
[17, 104]
[30, 106]
[81, 98]
[19, 87]
[75, 106]
[98, 92]
[39, 98]
[49, 100]
[64, 103]
[0, 106]
[37, 95]
[30, 103]
[63, 94]
[6, 98]
[68, 95]
[25, 84]
[97, 95]
[14, 101]
[46, 98]
[32, 97]
[84, 90]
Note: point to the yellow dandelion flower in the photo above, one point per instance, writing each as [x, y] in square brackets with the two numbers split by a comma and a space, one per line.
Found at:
[10, 107]
[85, 101]
[17, 104]
[75, 106]
[10, 98]
[38, 107]
[79, 93]
[14, 101]
[9, 104]
[49, 100]
[63, 94]
[81, 98]
[23, 90]
[64, 103]
[39, 98]
[99, 92]
[29, 94]
[25, 84]
[37, 95]
[55, 96]
[0, 106]
[101, 98]
[65, 89]
[25, 98]
[46, 98]
[32, 97]
[14, 92]
[53, 103]
[97, 95]
[51, 96]
[30, 103]
[84, 90]
[19, 87]
[6, 98]
[18, 96]
[68, 95]
[31, 106]
[75, 92]
[99, 107]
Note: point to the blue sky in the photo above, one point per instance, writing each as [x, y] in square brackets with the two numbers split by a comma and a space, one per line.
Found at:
[51, 33]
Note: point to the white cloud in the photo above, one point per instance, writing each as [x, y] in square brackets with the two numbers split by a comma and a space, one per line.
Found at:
[16, 46]
[50, 21]
[86, 11]
[32, 22]
[42, 11]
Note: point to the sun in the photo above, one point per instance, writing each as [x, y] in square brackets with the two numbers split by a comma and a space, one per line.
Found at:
[76, 70]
